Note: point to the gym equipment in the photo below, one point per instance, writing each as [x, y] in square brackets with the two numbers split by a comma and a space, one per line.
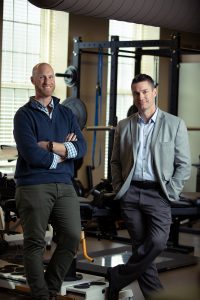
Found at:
[8, 213]
[86, 286]
[111, 257]
[198, 175]
[187, 207]
[106, 212]
[89, 287]
[98, 110]
[78, 108]
[100, 128]
[96, 290]
[92, 267]
[83, 241]
[12, 276]
[9, 218]
[189, 216]
[8, 153]
[9, 234]
[169, 48]
[70, 76]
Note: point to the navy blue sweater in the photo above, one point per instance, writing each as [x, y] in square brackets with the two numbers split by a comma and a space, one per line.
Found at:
[31, 125]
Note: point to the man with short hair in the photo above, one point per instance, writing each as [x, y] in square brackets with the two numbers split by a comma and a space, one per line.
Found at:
[48, 140]
[150, 164]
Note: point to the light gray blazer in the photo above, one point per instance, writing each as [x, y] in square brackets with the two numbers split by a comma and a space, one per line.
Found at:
[170, 148]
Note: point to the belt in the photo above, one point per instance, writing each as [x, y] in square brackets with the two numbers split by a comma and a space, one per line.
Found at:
[146, 184]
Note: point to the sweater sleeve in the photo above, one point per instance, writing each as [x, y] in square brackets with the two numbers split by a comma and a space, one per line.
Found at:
[26, 141]
[80, 144]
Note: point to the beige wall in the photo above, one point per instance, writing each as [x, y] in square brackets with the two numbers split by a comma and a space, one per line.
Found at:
[189, 110]
[54, 39]
[90, 29]
[60, 49]
[188, 103]
[1, 29]
[188, 40]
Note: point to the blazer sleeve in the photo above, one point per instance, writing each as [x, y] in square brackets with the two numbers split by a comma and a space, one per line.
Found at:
[182, 163]
[116, 169]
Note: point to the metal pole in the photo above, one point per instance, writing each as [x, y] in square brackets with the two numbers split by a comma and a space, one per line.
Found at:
[174, 72]
[77, 64]
[138, 58]
[113, 98]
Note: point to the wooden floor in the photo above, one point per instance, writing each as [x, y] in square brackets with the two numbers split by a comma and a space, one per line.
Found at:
[172, 280]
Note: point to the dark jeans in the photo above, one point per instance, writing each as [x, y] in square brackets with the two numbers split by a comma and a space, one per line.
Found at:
[37, 204]
[147, 214]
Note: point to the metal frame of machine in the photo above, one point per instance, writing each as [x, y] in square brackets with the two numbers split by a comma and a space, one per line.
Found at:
[162, 48]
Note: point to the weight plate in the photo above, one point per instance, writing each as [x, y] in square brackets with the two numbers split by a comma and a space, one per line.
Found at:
[78, 108]
[71, 76]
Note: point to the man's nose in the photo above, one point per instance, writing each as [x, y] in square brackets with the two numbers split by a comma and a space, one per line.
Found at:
[47, 80]
[140, 95]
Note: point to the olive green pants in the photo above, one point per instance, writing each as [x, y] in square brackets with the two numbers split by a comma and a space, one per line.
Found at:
[36, 205]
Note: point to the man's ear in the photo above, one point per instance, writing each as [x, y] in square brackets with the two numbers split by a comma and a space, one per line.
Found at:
[155, 92]
[32, 80]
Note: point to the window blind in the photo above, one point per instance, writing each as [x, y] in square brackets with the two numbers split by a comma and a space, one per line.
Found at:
[20, 51]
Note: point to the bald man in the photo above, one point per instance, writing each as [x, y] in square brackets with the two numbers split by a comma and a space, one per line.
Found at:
[48, 140]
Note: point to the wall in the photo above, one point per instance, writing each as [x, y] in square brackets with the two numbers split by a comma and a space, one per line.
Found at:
[189, 110]
[54, 39]
[188, 40]
[1, 30]
[188, 102]
[90, 29]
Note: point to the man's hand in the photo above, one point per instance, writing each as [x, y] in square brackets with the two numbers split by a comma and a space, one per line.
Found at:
[60, 159]
[58, 148]
[71, 137]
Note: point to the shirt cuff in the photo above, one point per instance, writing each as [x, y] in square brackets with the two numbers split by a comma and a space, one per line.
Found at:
[71, 150]
[55, 161]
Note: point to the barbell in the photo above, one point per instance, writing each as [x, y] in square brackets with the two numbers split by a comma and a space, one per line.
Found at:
[70, 76]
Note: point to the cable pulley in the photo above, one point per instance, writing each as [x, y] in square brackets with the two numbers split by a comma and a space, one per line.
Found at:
[70, 76]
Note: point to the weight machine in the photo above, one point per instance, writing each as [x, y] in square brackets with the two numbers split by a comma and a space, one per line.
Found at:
[169, 48]
[161, 48]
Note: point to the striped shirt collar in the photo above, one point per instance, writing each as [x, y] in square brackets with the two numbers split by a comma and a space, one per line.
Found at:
[39, 105]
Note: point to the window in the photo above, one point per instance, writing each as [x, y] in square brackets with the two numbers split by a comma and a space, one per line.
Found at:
[20, 51]
[30, 35]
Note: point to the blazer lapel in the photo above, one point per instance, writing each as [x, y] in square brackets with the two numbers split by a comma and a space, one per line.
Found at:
[134, 141]
[157, 128]
[134, 135]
